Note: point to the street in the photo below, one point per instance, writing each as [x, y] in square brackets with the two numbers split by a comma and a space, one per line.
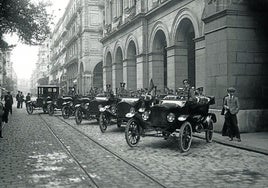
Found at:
[39, 150]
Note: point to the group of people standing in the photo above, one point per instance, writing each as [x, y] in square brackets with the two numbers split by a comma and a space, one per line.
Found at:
[19, 99]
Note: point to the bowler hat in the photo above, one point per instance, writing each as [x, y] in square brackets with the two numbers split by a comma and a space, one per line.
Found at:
[231, 90]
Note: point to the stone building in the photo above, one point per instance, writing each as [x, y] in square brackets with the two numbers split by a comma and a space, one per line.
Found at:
[214, 43]
[76, 51]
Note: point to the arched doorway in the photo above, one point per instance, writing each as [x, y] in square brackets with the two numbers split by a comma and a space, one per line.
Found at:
[107, 69]
[98, 76]
[158, 64]
[117, 69]
[185, 53]
[130, 67]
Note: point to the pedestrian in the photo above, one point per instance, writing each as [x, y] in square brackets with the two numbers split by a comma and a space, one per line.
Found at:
[231, 106]
[21, 99]
[18, 99]
[2, 113]
[8, 102]
[28, 98]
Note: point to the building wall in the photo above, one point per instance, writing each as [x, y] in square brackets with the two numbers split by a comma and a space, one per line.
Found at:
[215, 44]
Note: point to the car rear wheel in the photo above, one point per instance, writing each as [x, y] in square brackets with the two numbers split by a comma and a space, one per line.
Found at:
[186, 136]
[132, 133]
[29, 108]
[78, 116]
[103, 122]
[50, 109]
[209, 132]
[65, 112]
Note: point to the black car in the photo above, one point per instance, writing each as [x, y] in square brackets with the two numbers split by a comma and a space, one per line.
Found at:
[118, 111]
[173, 115]
[68, 107]
[45, 94]
[89, 108]
[57, 104]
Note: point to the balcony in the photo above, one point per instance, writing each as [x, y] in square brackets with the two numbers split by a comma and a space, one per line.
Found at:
[70, 60]
[74, 36]
[70, 20]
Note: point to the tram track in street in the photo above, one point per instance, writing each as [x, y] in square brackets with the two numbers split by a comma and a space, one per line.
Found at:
[125, 161]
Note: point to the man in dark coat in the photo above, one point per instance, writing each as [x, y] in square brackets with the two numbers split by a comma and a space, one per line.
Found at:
[231, 105]
[18, 99]
[8, 102]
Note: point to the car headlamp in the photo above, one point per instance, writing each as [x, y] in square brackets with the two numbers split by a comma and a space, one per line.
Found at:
[145, 115]
[113, 109]
[132, 110]
[182, 117]
[170, 117]
[141, 110]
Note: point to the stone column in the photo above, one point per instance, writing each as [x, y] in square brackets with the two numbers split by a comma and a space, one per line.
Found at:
[117, 75]
[142, 71]
[156, 69]
[87, 82]
[171, 67]
[130, 73]
[200, 62]
[107, 76]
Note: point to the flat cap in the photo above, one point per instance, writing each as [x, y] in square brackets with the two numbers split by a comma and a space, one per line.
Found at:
[231, 89]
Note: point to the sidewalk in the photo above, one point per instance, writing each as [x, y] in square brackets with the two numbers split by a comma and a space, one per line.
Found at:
[256, 142]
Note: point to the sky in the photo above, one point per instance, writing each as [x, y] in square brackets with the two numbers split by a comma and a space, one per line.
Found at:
[24, 57]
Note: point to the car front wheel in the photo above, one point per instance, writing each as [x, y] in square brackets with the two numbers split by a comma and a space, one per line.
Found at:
[65, 112]
[78, 116]
[186, 136]
[29, 108]
[132, 133]
[103, 122]
[209, 132]
[50, 109]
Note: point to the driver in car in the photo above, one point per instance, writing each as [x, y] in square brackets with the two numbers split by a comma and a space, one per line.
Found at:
[188, 91]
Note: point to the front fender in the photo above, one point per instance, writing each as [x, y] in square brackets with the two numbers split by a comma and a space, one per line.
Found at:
[213, 117]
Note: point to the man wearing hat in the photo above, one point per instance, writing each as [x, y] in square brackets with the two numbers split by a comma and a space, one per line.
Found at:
[231, 105]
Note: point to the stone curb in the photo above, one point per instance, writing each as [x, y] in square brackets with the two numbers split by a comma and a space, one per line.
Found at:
[236, 144]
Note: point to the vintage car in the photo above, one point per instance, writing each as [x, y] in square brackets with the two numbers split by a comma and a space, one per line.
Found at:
[174, 116]
[57, 104]
[45, 94]
[118, 111]
[68, 107]
[89, 109]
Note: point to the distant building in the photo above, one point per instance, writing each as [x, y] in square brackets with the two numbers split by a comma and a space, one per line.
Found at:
[213, 43]
[76, 53]
[40, 75]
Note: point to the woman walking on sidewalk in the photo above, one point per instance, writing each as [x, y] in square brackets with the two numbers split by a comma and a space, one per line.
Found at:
[231, 105]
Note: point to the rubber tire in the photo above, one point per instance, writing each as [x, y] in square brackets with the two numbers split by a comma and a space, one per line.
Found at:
[50, 109]
[29, 109]
[78, 116]
[132, 133]
[103, 122]
[186, 136]
[65, 112]
[209, 133]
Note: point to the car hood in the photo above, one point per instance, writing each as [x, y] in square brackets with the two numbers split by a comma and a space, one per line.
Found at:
[173, 103]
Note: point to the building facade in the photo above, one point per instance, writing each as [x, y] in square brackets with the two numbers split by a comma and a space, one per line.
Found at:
[76, 50]
[213, 43]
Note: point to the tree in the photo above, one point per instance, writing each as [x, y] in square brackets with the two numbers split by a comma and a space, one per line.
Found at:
[30, 21]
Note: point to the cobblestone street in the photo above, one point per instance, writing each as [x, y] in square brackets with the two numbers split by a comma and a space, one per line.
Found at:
[31, 156]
